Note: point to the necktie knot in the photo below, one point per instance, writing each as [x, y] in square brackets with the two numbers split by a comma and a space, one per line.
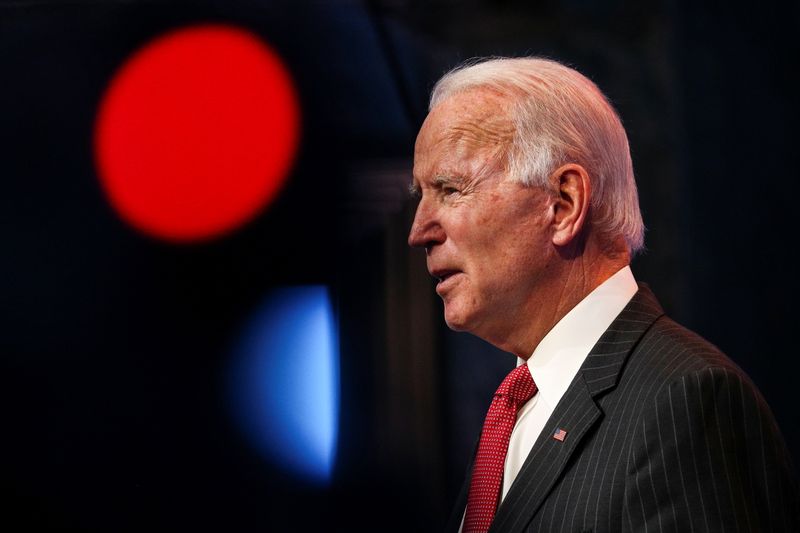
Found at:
[518, 386]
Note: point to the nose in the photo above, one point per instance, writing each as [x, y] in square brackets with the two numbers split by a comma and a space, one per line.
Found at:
[426, 230]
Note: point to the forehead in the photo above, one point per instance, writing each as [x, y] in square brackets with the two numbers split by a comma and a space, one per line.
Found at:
[463, 138]
[466, 122]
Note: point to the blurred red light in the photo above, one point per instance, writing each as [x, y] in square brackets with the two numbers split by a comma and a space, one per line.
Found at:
[197, 132]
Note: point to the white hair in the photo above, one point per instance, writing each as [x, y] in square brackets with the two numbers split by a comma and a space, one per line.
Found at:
[560, 117]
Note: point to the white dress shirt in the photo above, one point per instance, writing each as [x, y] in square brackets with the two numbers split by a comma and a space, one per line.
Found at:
[557, 359]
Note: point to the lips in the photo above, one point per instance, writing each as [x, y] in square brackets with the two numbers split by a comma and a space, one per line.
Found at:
[446, 278]
[443, 273]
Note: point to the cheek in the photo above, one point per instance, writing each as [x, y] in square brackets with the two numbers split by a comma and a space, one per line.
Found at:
[489, 254]
[508, 260]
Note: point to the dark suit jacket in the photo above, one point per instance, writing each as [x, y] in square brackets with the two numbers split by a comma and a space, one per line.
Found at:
[664, 433]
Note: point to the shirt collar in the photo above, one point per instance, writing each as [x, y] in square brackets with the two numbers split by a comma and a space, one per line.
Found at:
[558, 357]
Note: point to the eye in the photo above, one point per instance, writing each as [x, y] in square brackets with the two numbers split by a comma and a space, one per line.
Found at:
[448, 187]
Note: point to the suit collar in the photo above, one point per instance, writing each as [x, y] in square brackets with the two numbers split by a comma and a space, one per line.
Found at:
[602, 367]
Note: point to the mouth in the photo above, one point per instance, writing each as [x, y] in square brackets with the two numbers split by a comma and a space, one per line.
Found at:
[444, 275]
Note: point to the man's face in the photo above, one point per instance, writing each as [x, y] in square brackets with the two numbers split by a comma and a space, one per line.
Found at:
[486, 237]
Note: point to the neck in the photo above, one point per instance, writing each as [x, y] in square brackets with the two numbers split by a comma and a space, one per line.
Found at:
[573, 277]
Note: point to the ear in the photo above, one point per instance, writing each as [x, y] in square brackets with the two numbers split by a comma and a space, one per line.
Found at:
[571, 207]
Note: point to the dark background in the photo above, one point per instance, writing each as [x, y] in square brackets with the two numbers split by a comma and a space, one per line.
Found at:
[113, 344]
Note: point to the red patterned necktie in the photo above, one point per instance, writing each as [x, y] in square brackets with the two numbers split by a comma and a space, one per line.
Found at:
[487, 473]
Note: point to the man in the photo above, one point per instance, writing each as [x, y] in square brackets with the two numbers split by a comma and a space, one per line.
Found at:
[617, 419]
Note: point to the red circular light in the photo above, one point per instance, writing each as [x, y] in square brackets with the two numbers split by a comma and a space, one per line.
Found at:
[197, 132]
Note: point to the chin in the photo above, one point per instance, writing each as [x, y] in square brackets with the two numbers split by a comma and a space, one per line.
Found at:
[457, 320]
[455, 326]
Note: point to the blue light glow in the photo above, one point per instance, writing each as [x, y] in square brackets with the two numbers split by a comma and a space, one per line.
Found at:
[285, 382]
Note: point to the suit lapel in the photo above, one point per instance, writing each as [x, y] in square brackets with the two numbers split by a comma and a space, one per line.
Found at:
[576, 413]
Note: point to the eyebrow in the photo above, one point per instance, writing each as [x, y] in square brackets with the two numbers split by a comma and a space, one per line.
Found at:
[438, 181]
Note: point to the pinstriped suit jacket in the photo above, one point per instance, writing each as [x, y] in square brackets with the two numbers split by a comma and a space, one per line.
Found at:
[664, 433]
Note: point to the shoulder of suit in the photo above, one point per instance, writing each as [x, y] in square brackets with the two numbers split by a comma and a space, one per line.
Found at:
[670, 351]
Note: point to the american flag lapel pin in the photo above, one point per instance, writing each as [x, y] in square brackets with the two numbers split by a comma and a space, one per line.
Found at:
[560, 435]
